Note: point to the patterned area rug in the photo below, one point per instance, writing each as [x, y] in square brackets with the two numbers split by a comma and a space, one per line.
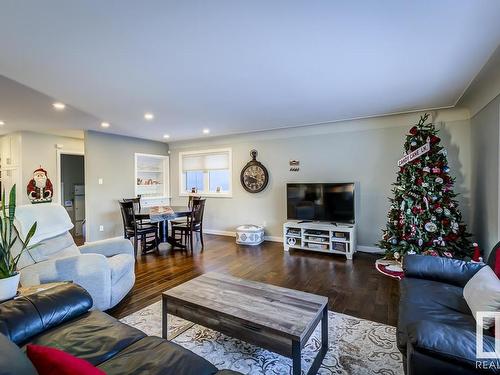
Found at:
[356, 346]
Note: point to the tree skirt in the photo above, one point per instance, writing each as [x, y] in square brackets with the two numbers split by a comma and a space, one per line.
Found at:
[356, 346]
[390, 268]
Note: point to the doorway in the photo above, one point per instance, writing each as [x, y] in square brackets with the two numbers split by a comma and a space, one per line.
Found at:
[72, 192]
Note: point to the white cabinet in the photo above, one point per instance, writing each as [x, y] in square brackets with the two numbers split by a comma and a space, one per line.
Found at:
[152, 178]
[322, 237]
[10, 164]
[10, 150]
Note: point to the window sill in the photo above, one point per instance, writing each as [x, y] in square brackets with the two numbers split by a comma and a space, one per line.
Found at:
[208, 195]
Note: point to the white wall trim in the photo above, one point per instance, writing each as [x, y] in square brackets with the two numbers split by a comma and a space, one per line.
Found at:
[57, 195]
[233, 234]
[370, 249]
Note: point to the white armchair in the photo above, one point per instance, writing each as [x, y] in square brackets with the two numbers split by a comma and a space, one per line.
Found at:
[104, 268]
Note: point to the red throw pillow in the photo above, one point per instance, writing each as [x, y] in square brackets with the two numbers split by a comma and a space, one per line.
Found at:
[496, 266]
[51, 361]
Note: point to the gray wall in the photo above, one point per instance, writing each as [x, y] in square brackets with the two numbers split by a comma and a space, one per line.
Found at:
[363, 151]
[40, 150]
[111, 158]
[485, 174]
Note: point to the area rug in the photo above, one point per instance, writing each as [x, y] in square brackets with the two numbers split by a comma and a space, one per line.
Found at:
[390, 268]
[356, 346]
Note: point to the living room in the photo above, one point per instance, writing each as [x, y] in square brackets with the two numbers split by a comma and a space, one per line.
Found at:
[249, 187]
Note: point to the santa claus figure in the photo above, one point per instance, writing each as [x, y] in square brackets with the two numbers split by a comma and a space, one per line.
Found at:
[40, 188]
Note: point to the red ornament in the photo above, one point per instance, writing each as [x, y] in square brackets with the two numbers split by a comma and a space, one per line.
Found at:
[414, 130]
[420, 181]
[435, 139]
[477, 253]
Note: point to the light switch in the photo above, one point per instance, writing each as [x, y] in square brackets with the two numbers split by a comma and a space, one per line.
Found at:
[101, 228]
[100, 181]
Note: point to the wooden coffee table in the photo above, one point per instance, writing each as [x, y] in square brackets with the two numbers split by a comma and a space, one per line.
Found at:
[274, 318]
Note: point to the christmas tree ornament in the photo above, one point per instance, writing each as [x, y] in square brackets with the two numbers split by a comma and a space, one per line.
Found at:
[414, 130]
[447, 212]
[420, 242]
[439, 180]
[426, 169]
[446, 169]
[439, 210]
[396, 255]
[430, 227]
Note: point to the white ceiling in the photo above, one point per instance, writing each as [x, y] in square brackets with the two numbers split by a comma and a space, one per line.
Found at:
[238, 66]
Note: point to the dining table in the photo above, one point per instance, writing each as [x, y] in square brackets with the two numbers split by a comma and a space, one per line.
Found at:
[162, 215]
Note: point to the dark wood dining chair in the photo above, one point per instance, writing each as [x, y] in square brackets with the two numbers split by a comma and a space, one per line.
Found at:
[183, 220]
[137, 229]
[193, 224]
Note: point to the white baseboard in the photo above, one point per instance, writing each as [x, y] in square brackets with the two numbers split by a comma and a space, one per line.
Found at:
[220, 232]
[370, 249]
[233, 234]
[363, 249]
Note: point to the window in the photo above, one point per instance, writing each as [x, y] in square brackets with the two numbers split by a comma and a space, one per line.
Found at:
[206, 172]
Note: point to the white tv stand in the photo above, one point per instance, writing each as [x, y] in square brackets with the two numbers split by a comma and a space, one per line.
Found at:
[318, 236]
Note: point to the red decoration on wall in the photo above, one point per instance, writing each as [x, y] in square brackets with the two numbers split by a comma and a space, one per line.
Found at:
[40, 189]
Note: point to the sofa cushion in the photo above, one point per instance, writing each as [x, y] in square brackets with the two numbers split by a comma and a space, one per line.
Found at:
[60, 246]
[50, 361]
[94, 336]
[482, 293]
[25, 317]
[153, 355]
[120, 265]
[434, 301]
[12, 360]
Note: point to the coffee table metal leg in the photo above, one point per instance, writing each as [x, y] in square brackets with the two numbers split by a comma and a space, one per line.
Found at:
[324, 346]
[164, 328]
[296, 358]
[324, 331]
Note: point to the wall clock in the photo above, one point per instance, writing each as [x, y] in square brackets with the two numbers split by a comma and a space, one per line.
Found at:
[254, 176]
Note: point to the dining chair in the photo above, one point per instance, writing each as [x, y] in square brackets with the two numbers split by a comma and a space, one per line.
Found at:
[183, 220]
[193, 224]
[137, 229]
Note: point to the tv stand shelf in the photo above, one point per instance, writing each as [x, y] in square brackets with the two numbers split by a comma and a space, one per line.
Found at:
[331, 238]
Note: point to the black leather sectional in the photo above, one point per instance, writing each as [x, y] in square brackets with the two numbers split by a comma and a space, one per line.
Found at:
[60, 318]
[436, 330]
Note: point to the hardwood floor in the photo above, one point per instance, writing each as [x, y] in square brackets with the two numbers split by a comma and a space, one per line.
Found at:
[353, 287]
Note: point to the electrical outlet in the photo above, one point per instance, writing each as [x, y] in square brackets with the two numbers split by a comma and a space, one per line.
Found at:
[100, 181]
[101, 228]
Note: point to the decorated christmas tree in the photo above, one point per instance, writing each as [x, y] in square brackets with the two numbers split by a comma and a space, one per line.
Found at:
[424, 217]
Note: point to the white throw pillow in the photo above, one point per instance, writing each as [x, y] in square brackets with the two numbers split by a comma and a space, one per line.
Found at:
[482, 293]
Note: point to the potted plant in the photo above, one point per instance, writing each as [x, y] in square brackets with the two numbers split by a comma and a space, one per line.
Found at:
[9, 276]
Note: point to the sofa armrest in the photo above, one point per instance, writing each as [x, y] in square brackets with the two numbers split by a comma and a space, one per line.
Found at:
[108, 247]
[448, 343]
[27, 316]
[91, 271]
[446, 270]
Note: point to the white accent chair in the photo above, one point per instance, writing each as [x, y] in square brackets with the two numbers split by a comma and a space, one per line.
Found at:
[104, 268]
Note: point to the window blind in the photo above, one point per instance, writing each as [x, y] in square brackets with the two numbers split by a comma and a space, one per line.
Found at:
[204, 162]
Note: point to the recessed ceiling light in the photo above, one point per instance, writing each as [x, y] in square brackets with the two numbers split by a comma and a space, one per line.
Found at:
[149, 116]
[59, 106]
[2, 123]
[105, 124]
[166, 136]
[206, 131]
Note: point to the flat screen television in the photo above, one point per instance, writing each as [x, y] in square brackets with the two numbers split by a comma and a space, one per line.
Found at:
[332, 202]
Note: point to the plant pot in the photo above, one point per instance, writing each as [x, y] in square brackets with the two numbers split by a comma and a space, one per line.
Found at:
[8, 287]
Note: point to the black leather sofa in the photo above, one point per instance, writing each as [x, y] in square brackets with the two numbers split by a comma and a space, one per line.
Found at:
[436, 330]
[60, 318]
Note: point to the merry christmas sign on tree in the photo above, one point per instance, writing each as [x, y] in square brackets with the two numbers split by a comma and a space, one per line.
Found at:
[424, 217]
